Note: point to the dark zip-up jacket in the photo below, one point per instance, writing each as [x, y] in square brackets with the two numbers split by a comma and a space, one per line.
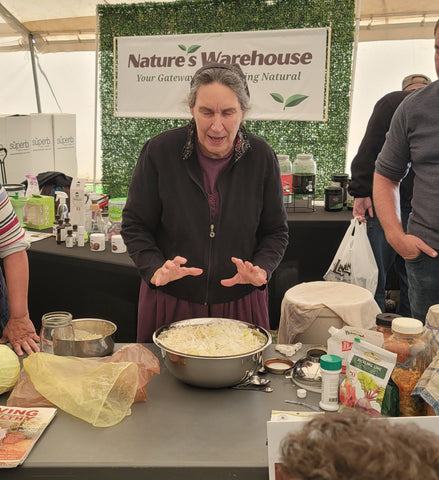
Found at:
[363, 164]
[167, 214]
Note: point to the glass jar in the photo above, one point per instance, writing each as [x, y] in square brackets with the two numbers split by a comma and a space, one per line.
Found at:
[383, 323]
[286, 170]
[413, 357]
[304, 174]
[56, 326]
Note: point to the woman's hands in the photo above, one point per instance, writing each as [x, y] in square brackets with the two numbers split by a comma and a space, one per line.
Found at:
[247, 273]
[172, 270]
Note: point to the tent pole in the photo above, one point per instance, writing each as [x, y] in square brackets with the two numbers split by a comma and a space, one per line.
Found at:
[34, 71]
[11, 20]
[354, 67]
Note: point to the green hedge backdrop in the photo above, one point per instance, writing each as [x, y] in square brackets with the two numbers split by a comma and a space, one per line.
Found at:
[123, 138]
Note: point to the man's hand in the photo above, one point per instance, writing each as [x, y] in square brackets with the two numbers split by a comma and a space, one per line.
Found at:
[361, 206]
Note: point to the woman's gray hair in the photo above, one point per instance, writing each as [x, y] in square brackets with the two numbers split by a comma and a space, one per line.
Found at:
[229, 75]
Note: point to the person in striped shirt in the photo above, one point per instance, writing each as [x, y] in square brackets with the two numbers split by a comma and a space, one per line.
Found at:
[15, 325]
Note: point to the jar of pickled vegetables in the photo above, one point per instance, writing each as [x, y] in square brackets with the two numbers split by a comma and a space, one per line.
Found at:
[413, 357]
[383, 323]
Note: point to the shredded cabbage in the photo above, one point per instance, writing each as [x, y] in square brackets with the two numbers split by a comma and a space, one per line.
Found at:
[216, 339]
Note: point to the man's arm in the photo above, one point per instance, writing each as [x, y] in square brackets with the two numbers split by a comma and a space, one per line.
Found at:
[387, 206]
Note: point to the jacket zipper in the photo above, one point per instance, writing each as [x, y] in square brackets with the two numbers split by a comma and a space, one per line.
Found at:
[212, 236]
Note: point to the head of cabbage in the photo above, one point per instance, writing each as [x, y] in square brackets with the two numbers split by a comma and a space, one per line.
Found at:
[9, 369]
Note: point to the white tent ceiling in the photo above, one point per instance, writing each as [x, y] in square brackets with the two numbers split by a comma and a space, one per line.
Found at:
[66, 25]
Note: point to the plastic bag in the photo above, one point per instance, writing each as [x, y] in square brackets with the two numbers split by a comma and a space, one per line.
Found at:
[99, 393]
[25, 395]
[354, 261]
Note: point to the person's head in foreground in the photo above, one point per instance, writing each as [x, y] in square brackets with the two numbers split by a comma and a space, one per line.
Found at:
[352, 446]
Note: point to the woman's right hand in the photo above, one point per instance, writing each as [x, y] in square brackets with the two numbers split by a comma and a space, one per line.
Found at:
[172, 270]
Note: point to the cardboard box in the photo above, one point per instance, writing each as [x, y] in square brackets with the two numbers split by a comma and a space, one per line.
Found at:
[64, 138]
[42, 152]
[18, 144]
[40, 212]
[3, 131]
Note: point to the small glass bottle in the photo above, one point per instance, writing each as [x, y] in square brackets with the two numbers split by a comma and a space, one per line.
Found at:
[413, 357]
[55, 225]
[286, 173]
[69, 239]
[330, 366]
[60, 229]
[57, 326]
[97, 222]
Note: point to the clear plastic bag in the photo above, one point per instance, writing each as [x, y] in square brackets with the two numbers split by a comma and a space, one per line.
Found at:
[26, 394]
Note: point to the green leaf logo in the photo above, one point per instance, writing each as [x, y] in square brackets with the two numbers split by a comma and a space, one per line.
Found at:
[292, 101]
[191, 49]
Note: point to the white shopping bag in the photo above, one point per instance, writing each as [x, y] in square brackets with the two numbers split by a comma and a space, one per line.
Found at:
[354, 261]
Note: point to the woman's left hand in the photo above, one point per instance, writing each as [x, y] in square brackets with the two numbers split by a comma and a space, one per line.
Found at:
[247, 273]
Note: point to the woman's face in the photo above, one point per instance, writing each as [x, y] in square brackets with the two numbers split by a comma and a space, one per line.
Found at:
[217, 114]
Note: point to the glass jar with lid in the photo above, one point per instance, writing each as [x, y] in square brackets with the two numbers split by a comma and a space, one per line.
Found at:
[304, 174]
[413, 357]
[383, 323]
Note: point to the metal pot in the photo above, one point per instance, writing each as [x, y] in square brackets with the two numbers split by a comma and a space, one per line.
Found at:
[211, 372]
[98, 347]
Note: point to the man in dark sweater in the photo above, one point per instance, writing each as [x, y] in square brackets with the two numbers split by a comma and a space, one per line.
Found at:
[360, 187]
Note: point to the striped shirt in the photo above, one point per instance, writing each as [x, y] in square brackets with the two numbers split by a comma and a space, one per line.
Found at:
[12, 235]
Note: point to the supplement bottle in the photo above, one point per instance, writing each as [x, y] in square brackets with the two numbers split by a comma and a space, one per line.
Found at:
[330, 366]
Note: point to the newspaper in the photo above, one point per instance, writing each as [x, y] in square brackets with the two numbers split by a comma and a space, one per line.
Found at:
[20, 428]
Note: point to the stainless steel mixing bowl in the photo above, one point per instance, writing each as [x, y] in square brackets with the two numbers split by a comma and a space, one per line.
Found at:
[98, 347]
[211, 372]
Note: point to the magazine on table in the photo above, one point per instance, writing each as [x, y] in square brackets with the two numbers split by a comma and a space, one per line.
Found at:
[20, 428]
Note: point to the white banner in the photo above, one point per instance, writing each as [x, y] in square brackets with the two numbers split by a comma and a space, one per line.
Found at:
[286, 72]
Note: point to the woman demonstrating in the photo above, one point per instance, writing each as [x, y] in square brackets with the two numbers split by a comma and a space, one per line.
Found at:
[204, 220]
[15, 324]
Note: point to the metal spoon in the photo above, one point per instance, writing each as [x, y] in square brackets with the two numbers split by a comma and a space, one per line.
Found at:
[253, 387]
[257, 380]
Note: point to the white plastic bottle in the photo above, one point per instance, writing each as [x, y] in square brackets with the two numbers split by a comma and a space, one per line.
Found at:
[330, 366]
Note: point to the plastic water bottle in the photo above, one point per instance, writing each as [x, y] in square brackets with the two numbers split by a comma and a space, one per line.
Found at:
[286, 173]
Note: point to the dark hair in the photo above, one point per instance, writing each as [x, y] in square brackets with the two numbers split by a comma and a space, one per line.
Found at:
[436, 27]
[229, 75]
[350, 445]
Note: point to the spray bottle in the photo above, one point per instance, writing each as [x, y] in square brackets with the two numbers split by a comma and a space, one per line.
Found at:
[63, 210]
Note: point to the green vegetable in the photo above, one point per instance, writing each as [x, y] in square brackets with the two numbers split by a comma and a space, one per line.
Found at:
[9, 369]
